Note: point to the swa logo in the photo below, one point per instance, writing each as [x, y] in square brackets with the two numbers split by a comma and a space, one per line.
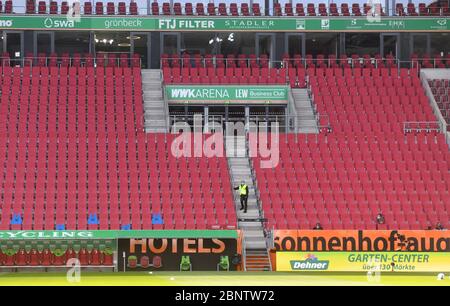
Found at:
[66, 23]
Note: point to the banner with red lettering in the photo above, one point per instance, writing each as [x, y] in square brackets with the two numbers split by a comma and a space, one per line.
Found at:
[162, 254]
[361, 241]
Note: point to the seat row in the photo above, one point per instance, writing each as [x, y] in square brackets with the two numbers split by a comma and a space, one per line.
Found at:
[99, 60]
[222, 9]
[298, 61]
[100, 8]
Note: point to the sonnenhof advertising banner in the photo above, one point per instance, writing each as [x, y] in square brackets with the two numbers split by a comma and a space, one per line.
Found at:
[208, 23]
[226, 94]
[357, 251]
[363, 261]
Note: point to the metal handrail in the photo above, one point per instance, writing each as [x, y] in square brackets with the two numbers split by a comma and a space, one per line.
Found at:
[37, 61]
[254, 180]
[244, 251]
[422, 126]
[270, 259]
[303, 62]
[226, 61]
[285, 122]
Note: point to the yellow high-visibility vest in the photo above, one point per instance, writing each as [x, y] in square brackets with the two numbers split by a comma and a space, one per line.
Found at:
[243, 190]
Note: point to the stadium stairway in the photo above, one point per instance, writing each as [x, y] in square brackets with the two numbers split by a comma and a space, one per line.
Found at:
[256, 256]
[155, 108]
[304, 110]
[257, 261]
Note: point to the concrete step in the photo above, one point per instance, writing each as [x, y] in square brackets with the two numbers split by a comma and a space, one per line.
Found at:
[309, 122]
[156, 122]
[151, 72]
[153, 106]
[308, 131]
[301, 98]
[155, 130]
[254, 234]
[151, 87]
[241, 175]
[306, 108]
[153, 95]
[255, 262]
[256, 245]
[153, 83]
[151, 75]
[257, 259]
[252, 226]
[303, 107]
[154, 110]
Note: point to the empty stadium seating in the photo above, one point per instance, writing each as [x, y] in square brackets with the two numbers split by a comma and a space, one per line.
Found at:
[249, 69]
[441, 92]
[297, 61]
[101, 8]
[234, 9]
[75, 60]
[243, 76]
[427, 61]
[367, 164]
[73, 154]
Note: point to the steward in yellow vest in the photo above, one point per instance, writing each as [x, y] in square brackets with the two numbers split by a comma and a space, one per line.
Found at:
[243, 192]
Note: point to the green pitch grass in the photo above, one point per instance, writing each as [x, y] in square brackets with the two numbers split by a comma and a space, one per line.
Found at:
[220, 279]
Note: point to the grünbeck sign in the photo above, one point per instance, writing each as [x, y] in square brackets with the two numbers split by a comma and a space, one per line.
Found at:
[208, 23]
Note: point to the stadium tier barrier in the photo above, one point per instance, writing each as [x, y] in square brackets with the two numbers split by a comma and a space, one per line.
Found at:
[107, 59]
[297, 61]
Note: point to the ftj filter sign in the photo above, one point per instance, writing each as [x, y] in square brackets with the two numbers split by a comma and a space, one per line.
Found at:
[227, 94]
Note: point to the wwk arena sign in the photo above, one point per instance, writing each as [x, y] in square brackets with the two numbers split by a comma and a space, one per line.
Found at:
[227, 94]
